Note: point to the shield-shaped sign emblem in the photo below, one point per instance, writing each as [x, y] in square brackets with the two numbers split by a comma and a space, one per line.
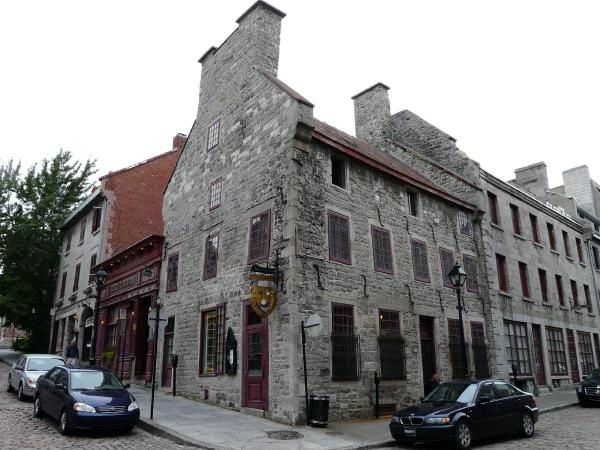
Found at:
[263, 299]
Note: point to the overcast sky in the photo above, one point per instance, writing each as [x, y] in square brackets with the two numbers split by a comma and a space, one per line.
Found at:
[515, 82]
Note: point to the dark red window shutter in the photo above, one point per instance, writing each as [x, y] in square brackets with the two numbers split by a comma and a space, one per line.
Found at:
[524, 275]
[419, 258]
[172, 272]
[447, 263]
[339, 238]
[535, 233]
[211, 256]
[516, 220]
[472, 282]
[260, 237]
[382, 250]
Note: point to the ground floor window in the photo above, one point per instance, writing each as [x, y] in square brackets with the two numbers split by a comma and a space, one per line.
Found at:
[454, 342]
[556, 351]
[391, 346]
[345, 345]
[480, 354]
[212, 341]
[517, 347]
[586, 352]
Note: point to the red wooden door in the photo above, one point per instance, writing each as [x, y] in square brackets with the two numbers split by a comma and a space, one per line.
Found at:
[427, 350]
[573, 356]
[540, 370]
[255, 364]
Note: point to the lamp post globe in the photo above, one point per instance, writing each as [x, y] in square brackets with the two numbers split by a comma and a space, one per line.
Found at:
[458, 277]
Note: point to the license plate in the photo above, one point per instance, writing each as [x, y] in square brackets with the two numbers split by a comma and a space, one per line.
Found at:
[410, 431]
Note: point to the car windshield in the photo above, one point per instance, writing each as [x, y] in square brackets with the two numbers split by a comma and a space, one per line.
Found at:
[96, 380]
[44, 364]
[594, 375]
[453, 392]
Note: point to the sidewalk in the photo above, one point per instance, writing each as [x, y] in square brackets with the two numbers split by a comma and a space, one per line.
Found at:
[196, 423]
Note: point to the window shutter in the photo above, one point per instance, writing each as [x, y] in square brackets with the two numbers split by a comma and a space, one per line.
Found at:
[419, 257]
[472, 282]
[260, 237]
[339, 238]
[172, 272]
[447, 263]
[382, 250]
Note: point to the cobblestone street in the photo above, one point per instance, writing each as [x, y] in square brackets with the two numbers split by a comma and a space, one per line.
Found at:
[572, 428]
[20, 430]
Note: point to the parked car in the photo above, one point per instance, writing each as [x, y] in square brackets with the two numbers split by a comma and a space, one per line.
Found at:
[460, 411]
[24, 372]
[91, 398]
[588, 391]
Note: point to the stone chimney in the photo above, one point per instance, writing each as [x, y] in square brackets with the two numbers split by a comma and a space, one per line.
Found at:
[372, 114]
[578, 184]
[533, 179]
[179, 141]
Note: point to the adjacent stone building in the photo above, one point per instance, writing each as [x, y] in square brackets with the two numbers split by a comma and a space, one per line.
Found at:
[349, 235]
[124, 209]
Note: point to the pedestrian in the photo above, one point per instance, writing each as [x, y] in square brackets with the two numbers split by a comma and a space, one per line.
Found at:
[73, 354]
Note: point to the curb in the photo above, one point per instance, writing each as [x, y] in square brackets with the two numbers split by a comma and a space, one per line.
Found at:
[558, 407]
[172, 435]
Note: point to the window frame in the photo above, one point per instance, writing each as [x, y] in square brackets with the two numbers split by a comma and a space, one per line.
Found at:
[588, 297]
[212, 141]
[343, 164]
[579, 247]
[385, 245]
[502, 271]
[479, 348]
[551, 236]
[218, 350]
[82, 226]
[208, 272]
[524, 277]
[574, 292]
[345, 332]
[172, 273]
[93, 262]
[543, 280]
[470, 287]
[455, 348]
[76, 277]
[566, 244]
[424, 278]
[215, 191]
[96, 218]
[560, 289]
[63, 285]
[493, 209]
[413, 202]
[516, 219]
[68, 239]
[518, 331]
[444, 254]
[557, 355]
[463, 222]
[260, 257]
[535, 230]
[586, 352]
[391, 336]
[331, 238]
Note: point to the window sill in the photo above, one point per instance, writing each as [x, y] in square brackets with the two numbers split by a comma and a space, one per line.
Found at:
[564, 308]
[95, 232]
[207, 375]
[528, 300]
[67, 253]
[547, 305]
[497, 227]
[591, 314]
[554, 252]
[345, 264]
[519, 236]
[570, 258]
[73, 296]
[582, 264]
[505, 294]
[578, 311]
[80, 243]
[538, 244]
[339, 188]
[560, 377]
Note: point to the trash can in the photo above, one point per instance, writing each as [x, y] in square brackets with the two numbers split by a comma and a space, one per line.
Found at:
[318, 406]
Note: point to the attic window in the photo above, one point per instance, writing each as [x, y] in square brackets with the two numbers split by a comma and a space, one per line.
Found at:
[413, 202]
[338, 172]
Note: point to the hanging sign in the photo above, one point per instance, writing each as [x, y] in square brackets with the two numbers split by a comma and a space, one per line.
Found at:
[263, 299]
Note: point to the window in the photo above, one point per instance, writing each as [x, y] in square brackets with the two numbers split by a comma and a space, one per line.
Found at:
[516, 220]
[63, 285]
[535, 232]
[92, 274]
[76, 278]
[472, 282]
[345, 348]
[110, 340]
[413, 202]
[68, 242]
[213, 135]
[597, 346]
[559, 290]
[574, 293]
[579, 249]
[339, 238]
[458, 368]
[419, 259]
[524, 275]
[96, 218]
[211, 256]
[566, 244]
[172, 272]
[338, 172]
[493, 206]
[391, 346]
[556, 351]
[551, 237]
[464, 224]
[543, 284]
[596, 255]
[586, 352]
[480, 355]
[82, 231]
[382, 250]
[588, 299]
[447, 263]
[503, 285]
[214, 197]
[212, 341]
[260, 237]
[517, 347]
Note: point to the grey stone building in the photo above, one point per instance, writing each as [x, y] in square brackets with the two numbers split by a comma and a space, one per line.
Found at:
[360, 242]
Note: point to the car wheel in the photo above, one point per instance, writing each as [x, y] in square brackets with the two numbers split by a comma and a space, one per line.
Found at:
[20, 394]
[37, 407]
[463, 435]
[527, 425]
[63, 424]
[9, 388]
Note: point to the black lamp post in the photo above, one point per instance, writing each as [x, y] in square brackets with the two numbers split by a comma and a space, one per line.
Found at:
[458, 277]
[100, 278]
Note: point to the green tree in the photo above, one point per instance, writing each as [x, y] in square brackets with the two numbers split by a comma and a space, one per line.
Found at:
[33, 207]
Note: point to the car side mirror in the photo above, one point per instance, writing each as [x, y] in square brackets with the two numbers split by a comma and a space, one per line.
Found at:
[127, 385]
[484, 399]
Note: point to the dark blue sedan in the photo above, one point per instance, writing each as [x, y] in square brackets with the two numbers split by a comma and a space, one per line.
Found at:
[91, 398]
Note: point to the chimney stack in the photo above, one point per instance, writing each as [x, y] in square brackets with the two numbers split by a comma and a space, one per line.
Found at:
[534, 179]
[179, 141]
[372, 114]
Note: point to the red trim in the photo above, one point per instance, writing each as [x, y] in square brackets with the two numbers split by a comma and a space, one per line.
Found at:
[334, 258]
[264, 257]
[386, 232]
[412, 252]
[264, 326]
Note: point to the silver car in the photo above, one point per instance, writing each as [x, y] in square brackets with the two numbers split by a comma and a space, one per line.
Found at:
[25, 371]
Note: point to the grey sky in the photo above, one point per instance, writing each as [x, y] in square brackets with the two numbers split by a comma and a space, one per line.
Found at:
[515, 82]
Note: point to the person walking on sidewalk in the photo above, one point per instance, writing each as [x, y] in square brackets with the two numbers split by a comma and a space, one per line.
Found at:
[72, 354]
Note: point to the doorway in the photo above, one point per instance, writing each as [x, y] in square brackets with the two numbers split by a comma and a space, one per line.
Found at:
[540, 370]
[255, 365]
[573, 356]
[427, 351]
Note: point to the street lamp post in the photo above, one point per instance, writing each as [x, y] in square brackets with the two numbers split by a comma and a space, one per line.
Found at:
[458, 277]
[100, 278]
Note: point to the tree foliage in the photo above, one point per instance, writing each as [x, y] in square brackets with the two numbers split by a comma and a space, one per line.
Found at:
[32, 208]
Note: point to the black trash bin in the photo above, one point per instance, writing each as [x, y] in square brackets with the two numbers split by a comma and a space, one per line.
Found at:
[319, 410]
